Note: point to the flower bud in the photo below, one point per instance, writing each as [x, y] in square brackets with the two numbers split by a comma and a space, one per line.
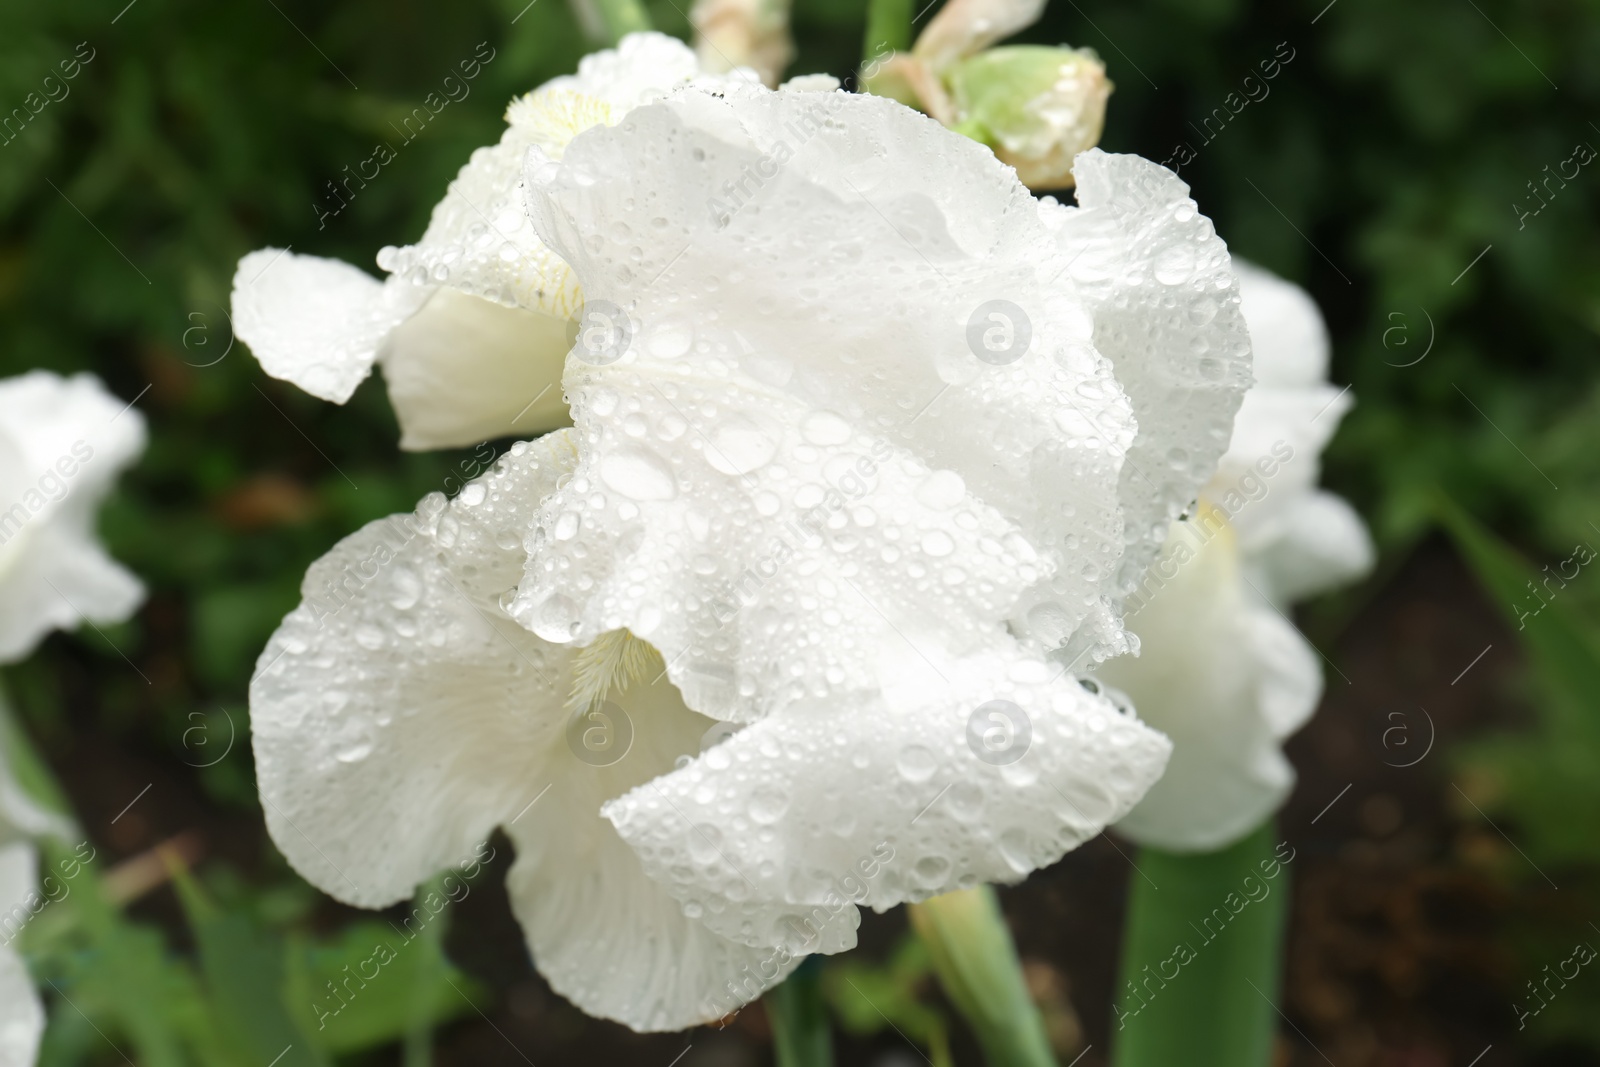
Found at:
[1036, 106]
[743, 33]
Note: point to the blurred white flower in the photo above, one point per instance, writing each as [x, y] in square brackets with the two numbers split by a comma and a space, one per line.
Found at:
[471, 324]
[62, 443]
[21, 1013]
[874, 440]
[21, 820]
[1222, 671]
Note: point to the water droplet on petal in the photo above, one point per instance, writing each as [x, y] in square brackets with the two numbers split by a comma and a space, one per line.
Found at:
[638, 473]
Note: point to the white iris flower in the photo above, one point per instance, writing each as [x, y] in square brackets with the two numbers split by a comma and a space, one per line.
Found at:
[62, 443]
[868, 448]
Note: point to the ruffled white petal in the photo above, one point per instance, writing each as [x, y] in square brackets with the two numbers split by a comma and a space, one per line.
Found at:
[1227, 679]
[1160, 285]
[63, 441]
[315, 322]
[643, 67]
[796, 411]
[479, 239]
[464, 370]
[775, 836]
[399, 716]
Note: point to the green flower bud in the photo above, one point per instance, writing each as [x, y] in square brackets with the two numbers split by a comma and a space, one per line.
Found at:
[1036, 106]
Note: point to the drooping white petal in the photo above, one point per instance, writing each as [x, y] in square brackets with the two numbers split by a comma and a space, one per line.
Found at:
[853, 376]
[1166, 311]
[464, 370]
[63, 441]
[956, 773]
[604, 934]
[399, 716]
[1227, 679]
[315, 322]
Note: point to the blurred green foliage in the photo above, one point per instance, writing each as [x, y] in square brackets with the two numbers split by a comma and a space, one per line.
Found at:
[1391, 166]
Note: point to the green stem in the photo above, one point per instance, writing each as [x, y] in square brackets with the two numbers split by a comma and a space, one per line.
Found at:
[622, 17]
[418, 1046]
[1202, 956]
[799, 1018]
[977, 965]
[888, 29]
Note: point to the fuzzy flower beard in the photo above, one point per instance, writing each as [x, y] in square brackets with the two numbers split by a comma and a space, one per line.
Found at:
[882, 447]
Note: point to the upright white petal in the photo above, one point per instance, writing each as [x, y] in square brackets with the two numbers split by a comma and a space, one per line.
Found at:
[801, 412]
[63, 441]
[399, 716]
[483, 301]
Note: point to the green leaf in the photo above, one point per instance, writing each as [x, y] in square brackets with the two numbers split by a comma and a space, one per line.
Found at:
[1563, 649]
[244, 974]
[375, 983]
[1545, 776]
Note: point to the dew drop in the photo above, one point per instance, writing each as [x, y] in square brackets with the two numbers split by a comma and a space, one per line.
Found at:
[638, 473]
[916, 763]
[938, 543]
[739, 446]
[824, 428]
